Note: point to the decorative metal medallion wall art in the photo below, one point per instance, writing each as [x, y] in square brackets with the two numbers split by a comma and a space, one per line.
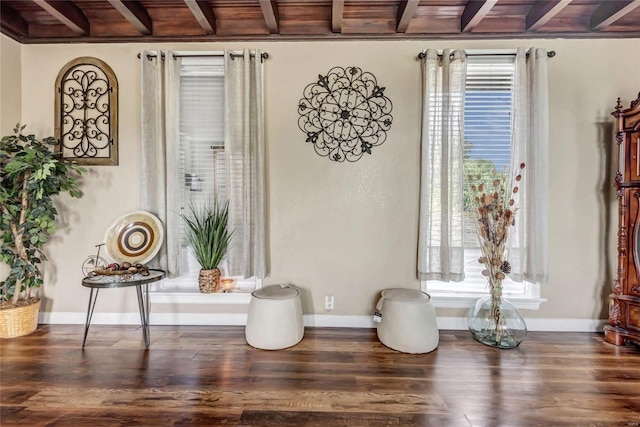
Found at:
[345, 114]
[86, 125]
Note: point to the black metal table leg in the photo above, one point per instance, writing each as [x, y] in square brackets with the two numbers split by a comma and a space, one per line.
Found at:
[91, 306]
[143, 305]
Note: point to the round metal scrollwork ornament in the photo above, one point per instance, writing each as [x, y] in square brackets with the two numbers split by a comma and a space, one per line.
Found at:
[345, 114]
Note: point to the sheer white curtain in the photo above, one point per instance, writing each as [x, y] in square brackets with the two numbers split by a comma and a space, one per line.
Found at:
[159, 177]
[244, 146]
[529, 239]
[440, 244]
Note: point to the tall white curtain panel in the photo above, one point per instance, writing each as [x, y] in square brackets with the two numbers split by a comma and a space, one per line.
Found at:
[529, 241]
[245, 152]
[440, 247]
[159, 187]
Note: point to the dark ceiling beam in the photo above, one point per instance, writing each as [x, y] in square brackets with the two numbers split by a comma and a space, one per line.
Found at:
[270, 12]
[337, 12]
[592, 35]
[542, 11]
[610, 11]
[406, 10]
[474, 12]
[136, 14]
[203, 14]
[12, 22]
[67, 13]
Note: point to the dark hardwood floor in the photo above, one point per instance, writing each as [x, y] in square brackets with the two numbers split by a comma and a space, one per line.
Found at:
[335, 377]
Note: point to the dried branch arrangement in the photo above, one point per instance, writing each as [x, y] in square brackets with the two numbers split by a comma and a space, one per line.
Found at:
[494, 211]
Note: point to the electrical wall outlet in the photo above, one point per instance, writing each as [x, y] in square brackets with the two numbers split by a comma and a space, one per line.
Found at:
[328, 302]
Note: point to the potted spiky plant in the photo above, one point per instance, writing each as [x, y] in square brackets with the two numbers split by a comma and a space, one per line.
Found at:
[209, 236]
[31, 174]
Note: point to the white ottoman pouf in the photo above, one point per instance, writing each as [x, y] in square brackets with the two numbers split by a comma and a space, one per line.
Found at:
[275, 318]
[408, 322]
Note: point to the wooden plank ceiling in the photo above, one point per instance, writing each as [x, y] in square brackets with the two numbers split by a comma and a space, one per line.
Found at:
[48, 21]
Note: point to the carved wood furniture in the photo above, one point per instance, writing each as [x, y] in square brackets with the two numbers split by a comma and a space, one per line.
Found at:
[624, 312]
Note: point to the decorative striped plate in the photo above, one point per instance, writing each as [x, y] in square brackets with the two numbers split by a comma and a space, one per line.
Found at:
[135, 237]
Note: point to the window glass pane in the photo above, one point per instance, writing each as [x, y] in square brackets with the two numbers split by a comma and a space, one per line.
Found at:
[202, 162]
[487, 135]
[487, 125]
[202, 157]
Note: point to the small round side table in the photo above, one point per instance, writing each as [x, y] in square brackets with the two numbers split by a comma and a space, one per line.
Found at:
[98, 282]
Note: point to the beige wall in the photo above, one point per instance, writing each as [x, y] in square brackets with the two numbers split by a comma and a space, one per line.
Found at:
[10, 95]
[351, 228]
[10, 87]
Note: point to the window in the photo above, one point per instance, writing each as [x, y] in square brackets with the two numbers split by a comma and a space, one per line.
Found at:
[488, 114]
[203, 169]
[487, 138]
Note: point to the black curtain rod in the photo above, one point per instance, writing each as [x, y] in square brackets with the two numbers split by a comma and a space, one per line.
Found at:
[550, 54]
[263, 55]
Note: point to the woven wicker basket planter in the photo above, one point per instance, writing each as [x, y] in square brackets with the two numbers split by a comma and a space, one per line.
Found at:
[19, 321]
[209, 281]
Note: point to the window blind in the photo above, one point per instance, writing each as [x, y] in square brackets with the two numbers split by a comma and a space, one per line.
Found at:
[202, 156]
[488, 110]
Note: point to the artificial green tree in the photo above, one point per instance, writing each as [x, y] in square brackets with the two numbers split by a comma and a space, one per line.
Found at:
[31, 174]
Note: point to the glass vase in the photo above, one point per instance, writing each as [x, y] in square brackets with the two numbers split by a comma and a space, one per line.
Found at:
[495, 322]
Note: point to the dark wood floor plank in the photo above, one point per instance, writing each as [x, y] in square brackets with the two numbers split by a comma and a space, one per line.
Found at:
[166, 398]
[108, 417]
[347, 419]
[206, 375]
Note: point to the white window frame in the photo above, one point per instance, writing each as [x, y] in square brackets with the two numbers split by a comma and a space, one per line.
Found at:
[463, 294]
[184, 289]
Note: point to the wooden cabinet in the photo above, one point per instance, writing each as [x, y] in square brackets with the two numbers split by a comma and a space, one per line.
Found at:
[624, 312]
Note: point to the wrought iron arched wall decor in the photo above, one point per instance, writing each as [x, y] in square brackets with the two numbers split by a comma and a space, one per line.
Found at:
[345, 114]
[86, 126]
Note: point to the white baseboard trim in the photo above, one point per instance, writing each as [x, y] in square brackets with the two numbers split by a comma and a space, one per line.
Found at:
[311, 320]
[182, 319]
[338, 321]
[199, 298]
[566, 325]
